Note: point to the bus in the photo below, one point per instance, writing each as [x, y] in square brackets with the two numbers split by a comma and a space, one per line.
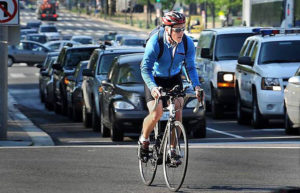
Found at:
[271, 13]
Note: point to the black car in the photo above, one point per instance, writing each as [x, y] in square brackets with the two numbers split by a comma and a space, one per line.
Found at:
[96, 71]
[66, 64]
[74, 92]
[45, 77]
[123, 105]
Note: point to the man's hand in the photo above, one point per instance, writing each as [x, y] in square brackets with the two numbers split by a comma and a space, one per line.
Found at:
[199, 94]
[155, 92]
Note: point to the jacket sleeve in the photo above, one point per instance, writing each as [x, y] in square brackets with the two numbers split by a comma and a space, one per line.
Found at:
[150, 57]
[190, 63]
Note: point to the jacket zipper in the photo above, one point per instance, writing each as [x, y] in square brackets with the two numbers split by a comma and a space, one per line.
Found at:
[172, 60]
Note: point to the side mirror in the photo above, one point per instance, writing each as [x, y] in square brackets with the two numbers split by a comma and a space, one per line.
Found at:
[294, 80]
[56, 66]
[39, 65]
[205, 53]
[246, 60]
[87, 72]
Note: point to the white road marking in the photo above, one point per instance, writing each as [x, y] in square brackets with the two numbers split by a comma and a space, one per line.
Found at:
[37, 74]
[224, 133]
[17, 75]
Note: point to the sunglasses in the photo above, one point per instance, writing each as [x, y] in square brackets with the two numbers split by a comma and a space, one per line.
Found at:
[178, 30]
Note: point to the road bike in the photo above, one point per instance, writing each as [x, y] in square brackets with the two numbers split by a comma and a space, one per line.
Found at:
[160, 150]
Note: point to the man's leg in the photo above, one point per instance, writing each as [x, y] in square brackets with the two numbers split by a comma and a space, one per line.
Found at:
[178, 117]
[152, 118]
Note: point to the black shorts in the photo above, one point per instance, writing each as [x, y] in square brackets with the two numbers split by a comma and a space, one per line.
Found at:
[167, 83]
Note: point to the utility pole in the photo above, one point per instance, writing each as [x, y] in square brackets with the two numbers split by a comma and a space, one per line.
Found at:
[3, 81]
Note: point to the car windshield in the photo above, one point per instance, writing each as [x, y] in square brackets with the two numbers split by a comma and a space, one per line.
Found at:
[77, 55]
[83, 40]
[49, 29]
[133, 42]
[105, 62]
[36, 25]
[41, 39]
[279, 52]
[229, 45]
[130, 74]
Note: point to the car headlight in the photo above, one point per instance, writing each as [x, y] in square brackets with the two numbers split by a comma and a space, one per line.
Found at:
[122, 105]
[270, 84]
[225, 79]
[192, 103]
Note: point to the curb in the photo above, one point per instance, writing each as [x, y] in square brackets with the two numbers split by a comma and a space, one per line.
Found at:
[38, 136]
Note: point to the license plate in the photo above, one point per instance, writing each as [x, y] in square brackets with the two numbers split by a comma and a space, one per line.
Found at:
[165, 116]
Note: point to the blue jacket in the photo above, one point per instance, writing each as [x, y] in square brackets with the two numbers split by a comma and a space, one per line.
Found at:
[167, 66]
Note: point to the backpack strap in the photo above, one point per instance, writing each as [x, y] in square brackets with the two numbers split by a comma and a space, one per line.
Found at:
[161, 42]
[185, 43]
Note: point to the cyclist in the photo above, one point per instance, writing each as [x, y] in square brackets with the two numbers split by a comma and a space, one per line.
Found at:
[165, 72]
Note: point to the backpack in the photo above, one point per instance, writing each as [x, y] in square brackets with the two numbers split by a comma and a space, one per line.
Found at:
[160, 30]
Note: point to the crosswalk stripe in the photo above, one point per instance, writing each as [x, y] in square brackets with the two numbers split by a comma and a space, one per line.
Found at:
[17, 75]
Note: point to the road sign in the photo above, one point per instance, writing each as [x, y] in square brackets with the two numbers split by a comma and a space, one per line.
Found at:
[9, 12]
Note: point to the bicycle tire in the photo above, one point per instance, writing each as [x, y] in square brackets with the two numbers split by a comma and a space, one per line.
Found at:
[148, 169]
[169, 169]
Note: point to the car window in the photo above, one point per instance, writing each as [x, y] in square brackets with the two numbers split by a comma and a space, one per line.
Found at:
[254, 51]
[49, 29]
[279, 52]
[242, 52]
[38, 48]
[83, 40]
[205, 41]
[298, 72]
[247, 53]
[54, 46]
[129, 73]
[228, 46]
[112, 73]
[75, 56]
[93, 61]
[105, 62]
[133, 42]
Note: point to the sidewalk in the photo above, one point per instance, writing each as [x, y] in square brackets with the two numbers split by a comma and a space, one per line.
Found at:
[21, 131]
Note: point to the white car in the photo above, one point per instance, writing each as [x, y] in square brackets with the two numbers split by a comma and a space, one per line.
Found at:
[216, 57]
[265, 64]
[82, 39]
[50, 31]
[292, 104]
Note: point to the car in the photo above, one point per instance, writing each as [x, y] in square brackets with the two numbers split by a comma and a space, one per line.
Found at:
[59, 44]
[74, 92]
[123, 105]
[265, 64]
[216, 57]
[107, 39]
[27, 52]
[96, 71]
[119, 37]
[51, 31]
[292, 104]
[44, 79]
[24, 32]
[67, 61]
[132, 41]
[41, 38]
[33, 24]
[83, 39]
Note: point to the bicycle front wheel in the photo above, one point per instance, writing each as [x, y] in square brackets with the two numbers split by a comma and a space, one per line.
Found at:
[148, 165]
[175, 157]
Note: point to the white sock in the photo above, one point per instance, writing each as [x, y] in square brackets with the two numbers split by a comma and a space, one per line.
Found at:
[142, 138]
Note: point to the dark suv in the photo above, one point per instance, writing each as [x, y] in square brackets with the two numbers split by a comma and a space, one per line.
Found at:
[66, 64]
[96, 71]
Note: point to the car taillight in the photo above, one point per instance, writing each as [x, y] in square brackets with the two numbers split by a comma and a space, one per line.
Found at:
[66, 81]
[43, 15]
[55, 15]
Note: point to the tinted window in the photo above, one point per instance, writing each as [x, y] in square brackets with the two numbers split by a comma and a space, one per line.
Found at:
[228, 46]
[83, 40]
[206, 40]
[77, 55]
[49, 29]
[129, 73]
[132, 42]
[55, 46]
[78, 73]
[41, 39]
[105, 62]
[279, 52]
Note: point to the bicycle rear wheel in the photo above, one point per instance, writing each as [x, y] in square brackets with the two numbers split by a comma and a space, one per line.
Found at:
[174, 172]
[148, 166]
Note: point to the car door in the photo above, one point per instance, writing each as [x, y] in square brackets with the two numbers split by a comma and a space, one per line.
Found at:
[39, 53]
[22, 52]
[203, 65]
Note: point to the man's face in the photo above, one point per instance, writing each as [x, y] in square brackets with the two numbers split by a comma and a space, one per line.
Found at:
[177, 32]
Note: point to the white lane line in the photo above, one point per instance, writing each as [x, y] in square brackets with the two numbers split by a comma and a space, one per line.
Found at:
[224, 133]
[37, 74]
[17, 75]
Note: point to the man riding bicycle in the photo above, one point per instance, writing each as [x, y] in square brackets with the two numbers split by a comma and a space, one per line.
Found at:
[165, 71]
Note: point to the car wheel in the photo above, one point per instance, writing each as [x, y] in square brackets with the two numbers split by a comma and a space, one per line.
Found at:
[95, 120]
[10, 61]
[116, 133]
[257, 119]
[86, 117]
[289, 130]
[240, 114]
[216, 109]
[200, 130]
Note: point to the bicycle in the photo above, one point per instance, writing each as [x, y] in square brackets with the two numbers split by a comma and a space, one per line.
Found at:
[160, 146]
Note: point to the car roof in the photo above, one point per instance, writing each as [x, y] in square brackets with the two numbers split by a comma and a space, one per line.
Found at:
[81, 36]
[274, 38]
[82, 46]
[232, 30]
[127, 58]
[36, 35]
[28, 41]
[120, 49]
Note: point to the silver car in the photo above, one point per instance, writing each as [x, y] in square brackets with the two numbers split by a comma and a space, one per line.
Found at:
[292, 104]
[59, 44]
[27, 52]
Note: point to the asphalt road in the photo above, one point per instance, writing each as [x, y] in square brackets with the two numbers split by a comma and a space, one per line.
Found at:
[232, 158]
